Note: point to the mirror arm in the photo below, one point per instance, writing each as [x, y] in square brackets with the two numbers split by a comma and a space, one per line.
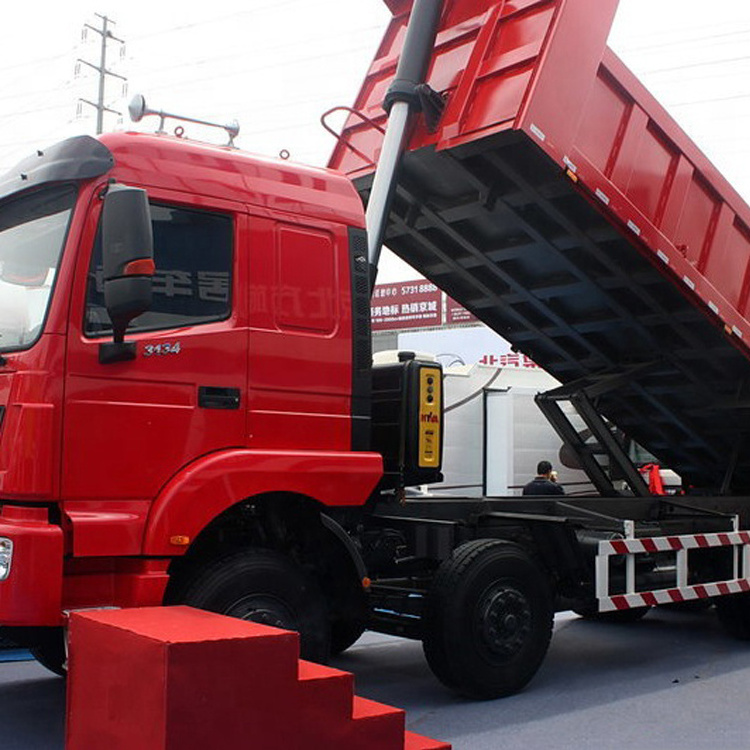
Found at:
[116, 351]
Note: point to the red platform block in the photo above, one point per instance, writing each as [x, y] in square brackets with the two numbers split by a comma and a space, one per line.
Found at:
[177, 677]
[169, 678]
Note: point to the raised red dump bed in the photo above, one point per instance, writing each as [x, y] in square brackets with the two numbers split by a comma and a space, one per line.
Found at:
[563, 206]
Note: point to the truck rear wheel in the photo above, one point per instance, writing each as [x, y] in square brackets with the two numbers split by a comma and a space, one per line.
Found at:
[488, 619]
[267, 587]
[734, 615]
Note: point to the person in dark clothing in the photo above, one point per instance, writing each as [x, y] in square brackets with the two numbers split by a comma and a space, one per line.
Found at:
[545, 481]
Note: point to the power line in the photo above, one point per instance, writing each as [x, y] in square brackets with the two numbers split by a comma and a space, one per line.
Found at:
[38, 61]
[272, 52]
[218, 19]
[709, 101]
[245, 71]
[225, 58]
[659, 31]
[705, 63]
[37, 110]
[705, 38]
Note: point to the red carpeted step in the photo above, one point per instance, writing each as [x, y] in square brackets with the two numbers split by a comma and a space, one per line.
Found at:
[169, 678]
[377, 726]
[417, 742]
[325, 693]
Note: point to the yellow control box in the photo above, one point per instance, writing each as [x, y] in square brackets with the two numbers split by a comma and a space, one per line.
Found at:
[430, 416]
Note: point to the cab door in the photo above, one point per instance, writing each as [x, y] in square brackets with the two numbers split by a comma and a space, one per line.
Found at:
[131, 426]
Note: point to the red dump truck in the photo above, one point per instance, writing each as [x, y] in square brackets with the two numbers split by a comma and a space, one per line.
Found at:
[188, 407]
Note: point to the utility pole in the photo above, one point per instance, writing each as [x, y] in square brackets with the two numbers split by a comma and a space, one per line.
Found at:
[106, 35]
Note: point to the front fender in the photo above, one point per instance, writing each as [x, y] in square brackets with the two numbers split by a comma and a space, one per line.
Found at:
[213, 483]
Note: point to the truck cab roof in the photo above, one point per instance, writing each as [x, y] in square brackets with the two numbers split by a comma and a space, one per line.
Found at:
[178, 164]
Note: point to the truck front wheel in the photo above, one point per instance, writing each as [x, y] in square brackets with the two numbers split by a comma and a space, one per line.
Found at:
[488, 619]
[46, 644]
[345, 633]
[49, 651]
[265, 586]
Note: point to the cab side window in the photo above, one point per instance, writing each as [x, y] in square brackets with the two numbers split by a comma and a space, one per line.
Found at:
[193, 280]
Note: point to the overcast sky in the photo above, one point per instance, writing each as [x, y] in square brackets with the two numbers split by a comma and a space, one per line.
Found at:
[277, 65]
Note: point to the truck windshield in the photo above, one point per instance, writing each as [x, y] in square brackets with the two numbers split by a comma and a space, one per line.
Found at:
[32, 234]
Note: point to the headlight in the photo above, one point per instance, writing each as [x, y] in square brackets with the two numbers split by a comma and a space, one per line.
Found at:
[6, 557]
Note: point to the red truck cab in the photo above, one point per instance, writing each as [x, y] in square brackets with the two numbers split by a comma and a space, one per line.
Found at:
[250, 378]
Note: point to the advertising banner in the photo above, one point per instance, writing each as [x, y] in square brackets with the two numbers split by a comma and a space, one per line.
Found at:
[410, 304]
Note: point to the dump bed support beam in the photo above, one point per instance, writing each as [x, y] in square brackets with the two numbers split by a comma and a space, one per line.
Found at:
[606, 444]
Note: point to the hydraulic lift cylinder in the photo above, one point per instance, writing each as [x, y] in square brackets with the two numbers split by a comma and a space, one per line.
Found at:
[400, 101]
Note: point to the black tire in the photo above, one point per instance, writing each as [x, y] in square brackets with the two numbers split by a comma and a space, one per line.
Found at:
[265, 586]
[347, 599]
[345, 633]
[617, 617]
[6, 643]
[49, 651]
[734, 615]
[488, 619]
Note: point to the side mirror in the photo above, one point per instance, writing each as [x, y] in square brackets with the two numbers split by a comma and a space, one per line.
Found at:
[128, 260]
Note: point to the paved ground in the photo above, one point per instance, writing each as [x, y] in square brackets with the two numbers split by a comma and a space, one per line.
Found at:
[670, 681]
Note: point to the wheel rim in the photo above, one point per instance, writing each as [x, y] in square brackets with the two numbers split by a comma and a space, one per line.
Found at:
[504, 620]
[264, 609]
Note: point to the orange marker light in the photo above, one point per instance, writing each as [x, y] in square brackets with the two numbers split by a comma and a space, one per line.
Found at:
[142, 267]
[179, 541]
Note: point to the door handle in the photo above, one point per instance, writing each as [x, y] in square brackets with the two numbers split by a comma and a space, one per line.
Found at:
[211, 397]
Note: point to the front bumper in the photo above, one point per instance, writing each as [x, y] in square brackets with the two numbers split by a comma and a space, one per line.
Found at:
[31, 594]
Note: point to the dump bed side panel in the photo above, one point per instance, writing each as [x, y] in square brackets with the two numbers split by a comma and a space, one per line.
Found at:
[499, 64]
[542, 67]
[561, 204]
[632, 156]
